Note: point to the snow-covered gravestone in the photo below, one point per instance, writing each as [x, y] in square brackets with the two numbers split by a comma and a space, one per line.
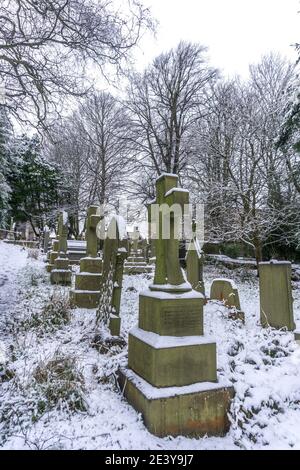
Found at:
[108, 312]
[172, 376]
[276, 302]
[61, 273]
[87, 283]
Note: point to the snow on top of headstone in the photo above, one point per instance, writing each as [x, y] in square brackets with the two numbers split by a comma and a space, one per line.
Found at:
[167, 174]
[231, 282]
[191, 294]
[176, 190]
[161, 342]
[274, 261]
[154, 392]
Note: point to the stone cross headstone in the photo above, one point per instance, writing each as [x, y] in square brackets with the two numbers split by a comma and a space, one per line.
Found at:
[171, 376]
[135, 239]
[112, 277]
[275, 289]
[93, 218]
[167, 268]
[194, 264]
[61, 273]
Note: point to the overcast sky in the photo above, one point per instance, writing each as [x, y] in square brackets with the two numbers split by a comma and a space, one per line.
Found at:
[237, 32]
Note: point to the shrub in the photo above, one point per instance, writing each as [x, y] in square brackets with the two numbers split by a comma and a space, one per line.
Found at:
[33, 253]
[60, 384]
[54, 314]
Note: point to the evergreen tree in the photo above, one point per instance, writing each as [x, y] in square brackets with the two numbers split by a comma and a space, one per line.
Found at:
[35, 185]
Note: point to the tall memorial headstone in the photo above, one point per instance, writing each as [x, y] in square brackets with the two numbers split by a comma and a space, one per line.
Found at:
[172, 374]
[46, 239]
[194, 264]
[114, 255]
[87, 283]
[275, 289]
[61, 273]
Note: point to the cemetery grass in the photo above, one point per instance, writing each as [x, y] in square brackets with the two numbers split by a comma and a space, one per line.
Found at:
[58, 392]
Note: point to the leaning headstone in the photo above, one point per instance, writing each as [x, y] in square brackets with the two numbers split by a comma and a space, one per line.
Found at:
[87, 283]
[172, 374]
[114, 255]
[194, 264]
[275, 289]
[225, 290]
[61, 273]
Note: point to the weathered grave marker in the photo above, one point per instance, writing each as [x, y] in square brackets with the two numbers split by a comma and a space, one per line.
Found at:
[46, 238]
[194, 264]
[225, 290]
[61, 273]
[112, 276]
[276, 302]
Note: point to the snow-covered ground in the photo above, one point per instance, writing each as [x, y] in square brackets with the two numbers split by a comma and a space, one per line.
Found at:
[262, 364]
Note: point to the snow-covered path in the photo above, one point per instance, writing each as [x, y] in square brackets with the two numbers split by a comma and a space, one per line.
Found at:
[12, 259]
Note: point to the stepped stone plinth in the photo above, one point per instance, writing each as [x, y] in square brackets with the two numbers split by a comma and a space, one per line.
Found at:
[61, 273]
[136, 264]
[52, 255]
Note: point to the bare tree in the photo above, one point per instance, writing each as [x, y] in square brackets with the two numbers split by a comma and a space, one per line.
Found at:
[91, 147]
[164, 102]
[47, 47]
[103, 124]
[236, 167]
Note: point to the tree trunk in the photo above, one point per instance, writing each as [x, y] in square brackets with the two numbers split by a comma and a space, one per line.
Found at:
[258, 251]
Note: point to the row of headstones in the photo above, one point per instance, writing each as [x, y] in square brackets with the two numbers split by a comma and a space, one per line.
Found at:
[275, 292]
[276, 310]
[99, 282]
[171, 377]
